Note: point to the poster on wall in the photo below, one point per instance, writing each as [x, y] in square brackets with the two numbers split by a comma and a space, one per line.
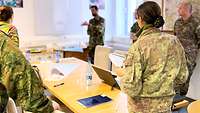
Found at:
[99, 3]
[12, 3]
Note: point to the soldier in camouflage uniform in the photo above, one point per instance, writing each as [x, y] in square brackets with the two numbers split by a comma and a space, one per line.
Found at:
[187, 29]
[96, 29]
[154, 66]
[3, 98]
[133, 33]
[21, 81]
[6, 27]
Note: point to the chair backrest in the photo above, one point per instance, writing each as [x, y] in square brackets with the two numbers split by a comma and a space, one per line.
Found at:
[11, 107]
[101, 57]
[194, 107]
[119, 56]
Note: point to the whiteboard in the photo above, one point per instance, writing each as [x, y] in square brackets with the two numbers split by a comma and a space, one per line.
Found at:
[58, 17]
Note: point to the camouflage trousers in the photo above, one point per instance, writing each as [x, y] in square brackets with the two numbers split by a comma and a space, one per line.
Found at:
[184, 87]
[150, 105]
[90, 53]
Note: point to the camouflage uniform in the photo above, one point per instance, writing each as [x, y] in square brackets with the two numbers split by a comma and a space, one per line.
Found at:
[188, 32]
[20, 79]
[3, 98]
[134, 29]
[96, 31]
[154, 66]
[11, 31]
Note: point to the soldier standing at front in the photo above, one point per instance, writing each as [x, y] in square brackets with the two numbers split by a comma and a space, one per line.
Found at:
[187, 30]
[96, 29]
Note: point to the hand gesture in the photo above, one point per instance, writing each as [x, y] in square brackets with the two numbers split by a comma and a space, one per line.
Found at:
[85, 23]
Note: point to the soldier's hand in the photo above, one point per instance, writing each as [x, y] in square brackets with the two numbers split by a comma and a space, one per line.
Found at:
[85, 23]
[55, 105]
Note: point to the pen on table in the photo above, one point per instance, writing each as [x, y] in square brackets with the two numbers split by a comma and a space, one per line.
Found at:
[56, 85]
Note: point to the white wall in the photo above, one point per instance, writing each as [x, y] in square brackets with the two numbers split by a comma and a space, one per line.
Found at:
[24, 20]
[42, 20]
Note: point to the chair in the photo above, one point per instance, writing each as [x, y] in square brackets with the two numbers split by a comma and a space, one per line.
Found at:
[194, 107]
[11, 107]
[119, 56]
[101, 57]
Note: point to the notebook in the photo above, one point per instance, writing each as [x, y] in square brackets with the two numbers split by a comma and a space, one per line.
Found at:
[94, 100]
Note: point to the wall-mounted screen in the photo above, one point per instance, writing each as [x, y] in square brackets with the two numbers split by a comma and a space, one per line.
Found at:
[12, 3]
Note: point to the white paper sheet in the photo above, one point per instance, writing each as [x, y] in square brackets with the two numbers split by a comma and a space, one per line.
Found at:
[56, 71]
[117, 60]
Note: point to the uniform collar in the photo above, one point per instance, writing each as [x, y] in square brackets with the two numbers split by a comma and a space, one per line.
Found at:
[186, 21]
[3, 23]
[146, 26]
[97, 17]
[149, 31]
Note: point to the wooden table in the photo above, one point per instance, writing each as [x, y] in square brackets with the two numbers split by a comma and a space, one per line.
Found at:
[75, 88]
[194, 107]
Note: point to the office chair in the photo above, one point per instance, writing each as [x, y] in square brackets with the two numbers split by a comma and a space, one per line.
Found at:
[120, 55]
[101, 57]
[194, 107]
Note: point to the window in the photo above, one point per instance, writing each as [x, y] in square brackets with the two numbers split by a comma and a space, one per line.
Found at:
[125, 10]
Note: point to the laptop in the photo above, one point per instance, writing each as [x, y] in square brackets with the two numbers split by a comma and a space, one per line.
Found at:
[106, 76]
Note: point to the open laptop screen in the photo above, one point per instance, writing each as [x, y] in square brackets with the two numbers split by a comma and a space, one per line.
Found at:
[106, 76]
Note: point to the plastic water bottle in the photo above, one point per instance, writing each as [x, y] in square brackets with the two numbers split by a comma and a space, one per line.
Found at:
[57, 56]
[89, 74]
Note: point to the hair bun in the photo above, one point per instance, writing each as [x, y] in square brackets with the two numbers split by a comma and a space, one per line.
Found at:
[159, 22]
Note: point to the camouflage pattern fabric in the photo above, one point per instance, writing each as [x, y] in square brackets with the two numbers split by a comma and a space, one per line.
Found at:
[154, 66]
[96, 30]
[21, 81]
[188, 32]
[134, 29]
[150, 105]
[3, 98]
[11, 31]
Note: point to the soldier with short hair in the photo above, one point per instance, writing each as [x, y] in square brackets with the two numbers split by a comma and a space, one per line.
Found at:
[187, 30]
[96, 30]
[133, 32]
[6, 27]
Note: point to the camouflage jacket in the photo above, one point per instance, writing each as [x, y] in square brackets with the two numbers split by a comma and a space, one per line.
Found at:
[154, 66]
[11, 31]
[96, 30]
[20, 79]
[188, 32]
[134, 29]
[3, 98]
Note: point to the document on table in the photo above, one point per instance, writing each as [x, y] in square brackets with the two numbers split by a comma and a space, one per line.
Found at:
[60, 71]
[56, 71]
